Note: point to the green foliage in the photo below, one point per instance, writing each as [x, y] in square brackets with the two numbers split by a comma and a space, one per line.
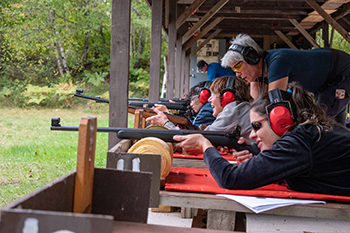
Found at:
[58, 96]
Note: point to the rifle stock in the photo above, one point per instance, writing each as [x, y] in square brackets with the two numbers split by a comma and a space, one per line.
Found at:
[217, 138]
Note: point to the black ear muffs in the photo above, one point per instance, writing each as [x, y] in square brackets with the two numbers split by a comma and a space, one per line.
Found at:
[279, 113]
[228, 94]
[204, 95]
[249, 54]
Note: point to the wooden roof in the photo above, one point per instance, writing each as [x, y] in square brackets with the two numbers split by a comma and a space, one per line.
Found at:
[263, 17]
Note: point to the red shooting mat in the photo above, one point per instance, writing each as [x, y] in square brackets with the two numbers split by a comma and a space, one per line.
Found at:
[200, 180]
[227, 156]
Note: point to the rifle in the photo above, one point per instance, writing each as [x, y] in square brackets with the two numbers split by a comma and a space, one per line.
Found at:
[217, 138]
[175, 119]
[181, 106]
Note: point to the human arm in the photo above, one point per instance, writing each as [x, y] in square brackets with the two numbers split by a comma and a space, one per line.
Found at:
[280, 83]
[158, 119]
[193, 143]
[288, 157]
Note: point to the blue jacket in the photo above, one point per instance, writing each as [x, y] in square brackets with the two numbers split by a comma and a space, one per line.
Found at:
[215, 70]
[204, 116]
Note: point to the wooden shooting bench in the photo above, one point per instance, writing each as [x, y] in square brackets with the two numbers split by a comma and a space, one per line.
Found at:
[87, 200]
[223, 213]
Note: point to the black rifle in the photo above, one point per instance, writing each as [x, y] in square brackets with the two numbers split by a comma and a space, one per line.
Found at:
[217, 138]
[181, 106]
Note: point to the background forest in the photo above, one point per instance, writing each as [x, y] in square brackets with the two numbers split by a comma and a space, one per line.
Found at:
[49, 48]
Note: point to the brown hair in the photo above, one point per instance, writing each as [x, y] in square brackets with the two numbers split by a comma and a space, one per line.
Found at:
[304, 109]
[240, 88]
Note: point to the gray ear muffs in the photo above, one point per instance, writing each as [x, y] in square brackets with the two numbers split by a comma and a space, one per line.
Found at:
[249, 54]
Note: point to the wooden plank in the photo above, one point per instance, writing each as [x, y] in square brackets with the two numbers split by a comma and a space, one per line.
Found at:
[183, 70]
[150, 228]
[84, 179]
[194, 52]
[171, 50]
[285, 39]
[204, 19]
[188, 12]
[221, 220]
[33, 221]
[304, 32]
[122, 194]
[187, 73]
[119, 67]
[329, 19]
[138, 118]
[336, 211]
[156, 47]
[204, 32]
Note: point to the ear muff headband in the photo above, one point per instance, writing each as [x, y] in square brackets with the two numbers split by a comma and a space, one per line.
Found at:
[249, 54]
[228, 94]
[279, 112]
[204, 95]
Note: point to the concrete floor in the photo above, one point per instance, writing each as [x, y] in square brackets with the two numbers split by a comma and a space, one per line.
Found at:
[169, 219]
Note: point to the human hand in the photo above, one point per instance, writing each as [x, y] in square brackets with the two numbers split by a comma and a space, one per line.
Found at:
[244, 155]
[192, 143]
[162, 108]
[158, 119]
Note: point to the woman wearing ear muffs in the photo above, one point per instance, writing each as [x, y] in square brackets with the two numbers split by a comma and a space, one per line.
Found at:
[325, 72]
[307, 149]
[230, 98]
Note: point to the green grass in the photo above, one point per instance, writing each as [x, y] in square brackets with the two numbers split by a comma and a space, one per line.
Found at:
[31, 155]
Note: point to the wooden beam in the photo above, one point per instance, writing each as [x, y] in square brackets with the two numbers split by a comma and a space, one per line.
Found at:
[325, 35]
[156, 46]
[171, 50]
[203, 32]
[166, 18]
[205, 42]
[304, 32]
[329, 19]
[188, 12]
[204, 19]
[285, 39]
[119, 67]
[178, 54]
[331, 40]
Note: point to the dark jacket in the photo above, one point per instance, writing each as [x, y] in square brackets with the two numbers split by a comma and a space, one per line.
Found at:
[204, 116]
[307, 162]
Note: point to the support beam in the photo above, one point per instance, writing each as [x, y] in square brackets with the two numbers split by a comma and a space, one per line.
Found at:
[188, 12]
[304, 32]
[331, 40]
[119, 67]
[329, 19]
[204, 19]
[285, 39]
[205, 42]
[204, 32]
[178, 54]
[171, 50]
[325, 35]
[156, 46]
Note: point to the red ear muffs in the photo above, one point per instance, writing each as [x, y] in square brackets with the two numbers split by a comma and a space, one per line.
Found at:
[280, 119]
[204, 95]
[227, 98]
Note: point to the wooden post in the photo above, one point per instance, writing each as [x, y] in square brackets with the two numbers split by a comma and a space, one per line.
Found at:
[178, 55]
[119, 67]
[84, 178]
[171, 50]
[156, 46]
[325, 35]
